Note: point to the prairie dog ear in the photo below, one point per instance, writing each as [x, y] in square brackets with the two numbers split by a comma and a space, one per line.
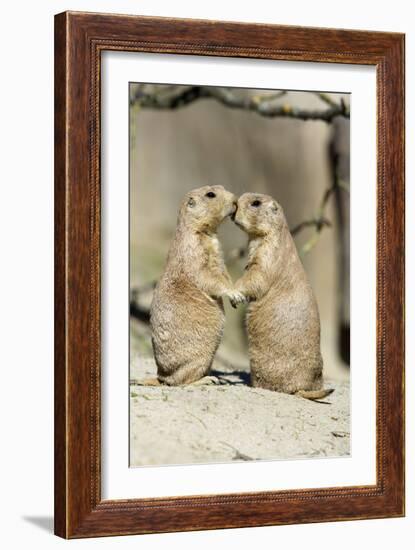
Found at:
[191, 202]
[274, 206]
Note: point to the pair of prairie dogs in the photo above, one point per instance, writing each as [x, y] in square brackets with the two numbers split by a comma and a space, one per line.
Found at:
[187, 314]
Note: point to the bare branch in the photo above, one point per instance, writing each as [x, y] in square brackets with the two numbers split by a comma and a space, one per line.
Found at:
[267, 105]
[139, 312]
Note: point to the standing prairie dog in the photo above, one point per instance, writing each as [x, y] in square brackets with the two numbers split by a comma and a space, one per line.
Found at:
[187, 315]
[282, 321]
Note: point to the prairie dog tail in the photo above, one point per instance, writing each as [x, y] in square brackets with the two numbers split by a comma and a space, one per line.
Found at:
[314, 394]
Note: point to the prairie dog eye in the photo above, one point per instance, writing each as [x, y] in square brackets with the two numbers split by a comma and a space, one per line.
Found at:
[210, 195]
[256, 203]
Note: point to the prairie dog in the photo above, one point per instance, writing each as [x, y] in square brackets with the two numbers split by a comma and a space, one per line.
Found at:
[187, 316]
[282, 320]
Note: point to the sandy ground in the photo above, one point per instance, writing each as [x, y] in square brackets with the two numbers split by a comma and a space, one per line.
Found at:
[230, 421]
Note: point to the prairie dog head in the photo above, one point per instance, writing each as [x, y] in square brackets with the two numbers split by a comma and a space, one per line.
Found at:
[258, 214]
[205, 208]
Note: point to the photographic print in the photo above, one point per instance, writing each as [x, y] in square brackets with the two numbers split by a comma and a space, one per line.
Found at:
[239, 274]
[209, 249]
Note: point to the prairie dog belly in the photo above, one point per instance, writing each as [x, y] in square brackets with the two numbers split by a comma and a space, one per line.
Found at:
[284, 341]
[187, 328]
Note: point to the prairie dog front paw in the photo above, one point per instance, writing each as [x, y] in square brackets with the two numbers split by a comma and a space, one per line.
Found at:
[236, 298]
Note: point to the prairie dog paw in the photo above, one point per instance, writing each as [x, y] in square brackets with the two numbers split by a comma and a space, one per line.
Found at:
[236, 298]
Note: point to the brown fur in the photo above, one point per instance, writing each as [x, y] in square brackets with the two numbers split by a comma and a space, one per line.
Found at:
[187, 315]
[282, 320]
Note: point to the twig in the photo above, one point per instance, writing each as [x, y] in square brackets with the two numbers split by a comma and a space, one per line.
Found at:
[337, 184]
[197, 418]
[318, 223]
[238, 455]
[340, 434]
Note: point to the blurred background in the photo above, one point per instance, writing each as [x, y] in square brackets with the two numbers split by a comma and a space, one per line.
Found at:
[291, 145]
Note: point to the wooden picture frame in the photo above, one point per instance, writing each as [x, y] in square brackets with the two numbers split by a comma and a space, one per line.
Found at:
[79, 40]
